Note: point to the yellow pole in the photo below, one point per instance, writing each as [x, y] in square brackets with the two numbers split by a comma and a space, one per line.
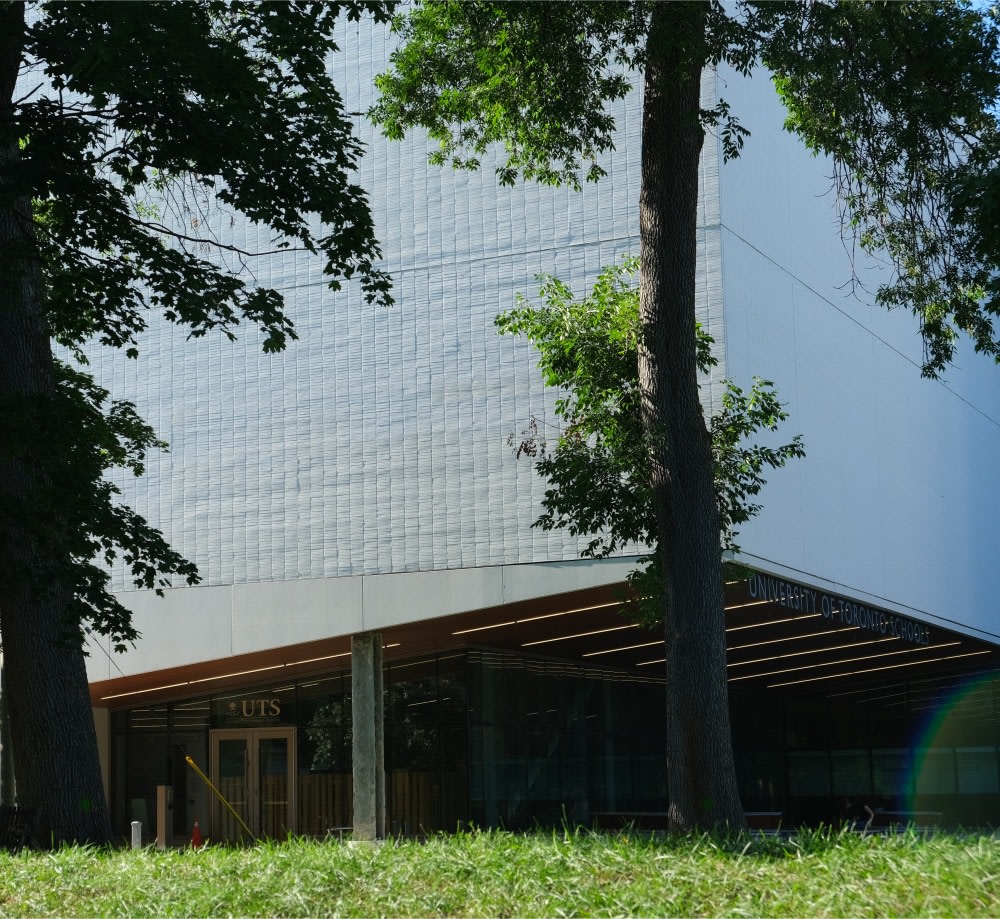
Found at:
[218, 794]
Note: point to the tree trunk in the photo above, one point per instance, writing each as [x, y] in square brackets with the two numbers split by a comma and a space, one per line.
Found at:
[56, 765]
[701, 773]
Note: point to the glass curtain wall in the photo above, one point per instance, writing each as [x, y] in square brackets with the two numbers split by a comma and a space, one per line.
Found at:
[553, 743]
[326, 785]
[426, 750]
[496, 739]
[927, 752]
[426, 744]
[150, 747]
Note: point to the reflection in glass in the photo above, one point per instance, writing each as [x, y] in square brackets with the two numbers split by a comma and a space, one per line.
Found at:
[977, 770]
[234, 784]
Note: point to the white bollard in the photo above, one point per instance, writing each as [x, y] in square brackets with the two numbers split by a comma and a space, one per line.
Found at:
[136, 834]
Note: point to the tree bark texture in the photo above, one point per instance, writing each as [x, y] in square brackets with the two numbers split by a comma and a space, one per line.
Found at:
[56, 762]
[701, 773]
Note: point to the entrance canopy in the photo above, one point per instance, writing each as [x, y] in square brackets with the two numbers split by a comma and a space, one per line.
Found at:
[780, 635]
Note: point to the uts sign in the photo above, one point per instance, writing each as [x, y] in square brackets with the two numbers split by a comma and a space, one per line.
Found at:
[836, 610]
[248, 712]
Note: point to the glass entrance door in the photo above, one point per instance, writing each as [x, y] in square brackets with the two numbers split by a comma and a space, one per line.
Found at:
[254, 769]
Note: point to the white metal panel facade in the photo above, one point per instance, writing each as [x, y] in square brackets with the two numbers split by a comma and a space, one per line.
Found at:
[376, 444]
[893, 500]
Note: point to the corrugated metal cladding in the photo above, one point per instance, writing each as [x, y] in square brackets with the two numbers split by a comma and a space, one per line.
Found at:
[377, 442]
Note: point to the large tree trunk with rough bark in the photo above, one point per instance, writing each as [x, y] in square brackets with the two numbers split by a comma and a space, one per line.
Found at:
[56, 764]
[701, 774]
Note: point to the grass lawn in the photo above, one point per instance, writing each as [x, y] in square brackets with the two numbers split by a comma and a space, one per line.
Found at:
[507, 874]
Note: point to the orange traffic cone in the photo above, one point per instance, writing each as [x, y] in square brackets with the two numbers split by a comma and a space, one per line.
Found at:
[196, 841]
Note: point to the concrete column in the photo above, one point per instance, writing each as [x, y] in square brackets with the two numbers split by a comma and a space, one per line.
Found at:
[369, 736]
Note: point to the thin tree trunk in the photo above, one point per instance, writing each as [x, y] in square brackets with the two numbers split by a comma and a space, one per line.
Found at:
[701, 774]
[56, 764]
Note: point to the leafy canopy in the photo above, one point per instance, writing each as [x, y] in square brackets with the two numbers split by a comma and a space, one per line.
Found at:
[139, 132]
[901, 97]
[76, 508]
[597, 469]
[173, 101]
[538, 79]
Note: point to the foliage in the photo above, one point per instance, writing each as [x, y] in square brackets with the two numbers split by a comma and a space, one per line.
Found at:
[249, 114]
[420, 723]
[902, 97]
[141, 130]
[598, 466]
[331, 735]
[539, 79]
[75, 506]
[824, 873]
[506, 99]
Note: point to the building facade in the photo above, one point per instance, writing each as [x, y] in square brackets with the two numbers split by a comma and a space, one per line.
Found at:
[361, 484]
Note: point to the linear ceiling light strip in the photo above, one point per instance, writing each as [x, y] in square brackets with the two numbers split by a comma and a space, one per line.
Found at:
[645, 644]
[546, 641]
[226, 676]
[509, 622]
[838, 676]
[791, 638]
[901, 693]
[782, 657]
[760, 625]
[850, 660]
